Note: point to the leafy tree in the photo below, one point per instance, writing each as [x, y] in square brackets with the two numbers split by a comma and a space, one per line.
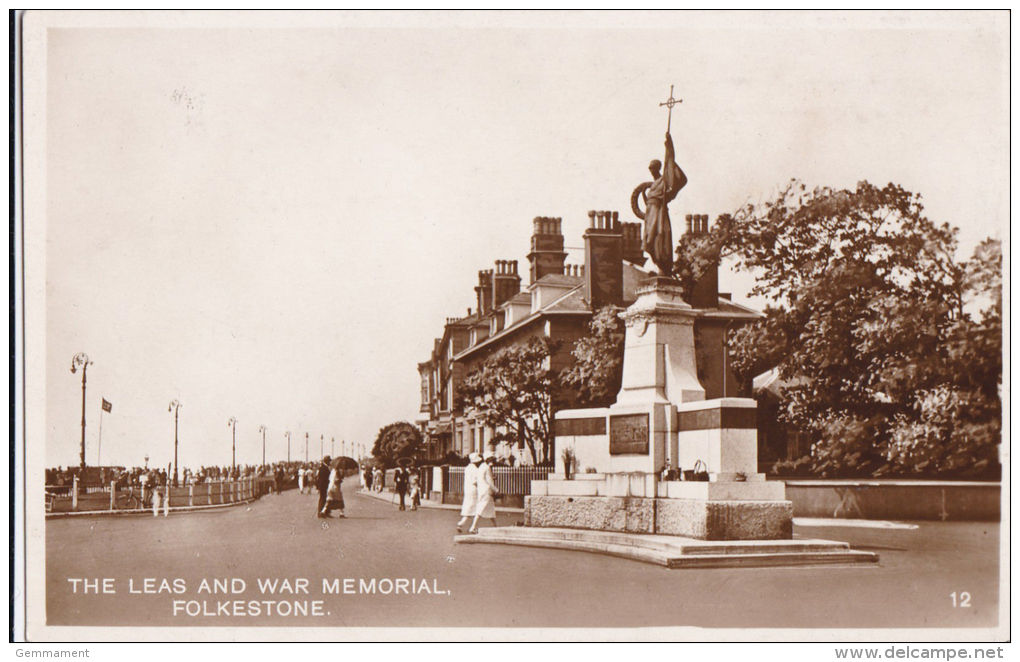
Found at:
[870, 325]
[395, 441]
[512, 392]
[597, 370]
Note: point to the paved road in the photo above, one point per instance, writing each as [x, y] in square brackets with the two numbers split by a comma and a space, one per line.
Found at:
[495, 585]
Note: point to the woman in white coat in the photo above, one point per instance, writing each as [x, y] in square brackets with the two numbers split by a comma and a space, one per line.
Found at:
[485, 506]
[470, 505]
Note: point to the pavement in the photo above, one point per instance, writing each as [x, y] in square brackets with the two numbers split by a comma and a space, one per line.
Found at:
[494, 586]
[392, 498]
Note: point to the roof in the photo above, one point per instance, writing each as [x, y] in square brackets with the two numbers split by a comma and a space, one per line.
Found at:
[730, 310]
[571, 303]
[557, 280]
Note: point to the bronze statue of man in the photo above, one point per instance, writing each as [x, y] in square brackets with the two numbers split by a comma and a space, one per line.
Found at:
[657, 239]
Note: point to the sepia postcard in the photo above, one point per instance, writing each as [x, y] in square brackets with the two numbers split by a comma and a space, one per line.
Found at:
[512, 326]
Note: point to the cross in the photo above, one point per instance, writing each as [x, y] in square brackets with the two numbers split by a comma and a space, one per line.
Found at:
[669, 103]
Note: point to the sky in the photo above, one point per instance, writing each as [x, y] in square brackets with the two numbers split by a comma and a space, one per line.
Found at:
[272, 223]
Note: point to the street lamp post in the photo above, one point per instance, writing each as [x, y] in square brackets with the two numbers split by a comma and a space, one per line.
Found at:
[262, 429]
[287, 434]
[306, 447]
[175, 407]
[232, 424]
[332, 451]
[81, 360]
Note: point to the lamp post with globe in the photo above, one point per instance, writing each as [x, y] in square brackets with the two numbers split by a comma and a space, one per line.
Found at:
[81, 360]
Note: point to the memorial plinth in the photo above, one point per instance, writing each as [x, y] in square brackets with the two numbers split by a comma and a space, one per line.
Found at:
[661, 414]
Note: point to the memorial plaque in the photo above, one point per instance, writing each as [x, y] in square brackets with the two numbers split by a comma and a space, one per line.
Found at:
[628, 434]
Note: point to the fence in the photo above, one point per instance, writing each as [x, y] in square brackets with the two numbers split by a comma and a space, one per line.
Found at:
[510, 481]
[64, 498]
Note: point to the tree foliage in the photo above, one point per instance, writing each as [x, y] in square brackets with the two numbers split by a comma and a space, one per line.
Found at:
[512, 392]
[597, 371]
[889, 348]
[397, 440]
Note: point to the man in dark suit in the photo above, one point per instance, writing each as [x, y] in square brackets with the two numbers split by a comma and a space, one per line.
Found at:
[322, 484]
[400, 484]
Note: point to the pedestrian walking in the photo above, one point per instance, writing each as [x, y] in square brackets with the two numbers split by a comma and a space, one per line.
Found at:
[400, 484]
[414, 489]
[470, 504]
[486, 503]
[334, 493]
[301, 480]
[322, 485]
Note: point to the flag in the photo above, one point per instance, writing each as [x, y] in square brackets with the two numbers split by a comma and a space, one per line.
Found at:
[107, 406]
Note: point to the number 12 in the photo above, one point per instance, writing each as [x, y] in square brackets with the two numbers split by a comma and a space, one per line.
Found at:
[962, 601]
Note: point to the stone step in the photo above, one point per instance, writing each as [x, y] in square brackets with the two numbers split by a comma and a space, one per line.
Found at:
[784, 559]
[676, 552]
[666, 543]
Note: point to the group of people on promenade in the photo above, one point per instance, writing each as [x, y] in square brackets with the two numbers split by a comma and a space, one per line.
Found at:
[406, 483]
[480, 489]
[326, 477]
[161, 476]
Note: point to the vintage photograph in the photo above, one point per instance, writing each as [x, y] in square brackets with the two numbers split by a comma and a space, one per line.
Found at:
[513, 326]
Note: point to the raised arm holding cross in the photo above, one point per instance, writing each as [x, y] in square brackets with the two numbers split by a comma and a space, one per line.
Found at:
[657, 239]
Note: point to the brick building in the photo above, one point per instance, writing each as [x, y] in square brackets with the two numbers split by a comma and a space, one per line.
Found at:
[558, 302]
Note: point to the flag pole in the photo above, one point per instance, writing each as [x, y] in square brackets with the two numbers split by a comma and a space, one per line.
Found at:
[99, 452]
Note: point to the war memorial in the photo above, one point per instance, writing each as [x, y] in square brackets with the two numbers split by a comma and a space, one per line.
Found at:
[725, 513]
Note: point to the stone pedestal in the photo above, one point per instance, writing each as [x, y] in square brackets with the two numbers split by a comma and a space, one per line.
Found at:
[661, 412]
[659, 363]
[659, 371]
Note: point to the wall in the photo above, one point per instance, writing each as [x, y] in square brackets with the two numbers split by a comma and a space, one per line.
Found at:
[902, 500]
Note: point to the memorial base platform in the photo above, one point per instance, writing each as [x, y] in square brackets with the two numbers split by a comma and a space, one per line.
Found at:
[675, 551]
[692, 518]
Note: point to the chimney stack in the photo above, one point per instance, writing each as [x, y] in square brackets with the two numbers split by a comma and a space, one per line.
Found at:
[706, 290]
[603, 259]
[505, 282]
[632, 250]
[483, 291]
[547, 254]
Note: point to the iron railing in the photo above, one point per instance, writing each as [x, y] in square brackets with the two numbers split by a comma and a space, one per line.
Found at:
[510, 481]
